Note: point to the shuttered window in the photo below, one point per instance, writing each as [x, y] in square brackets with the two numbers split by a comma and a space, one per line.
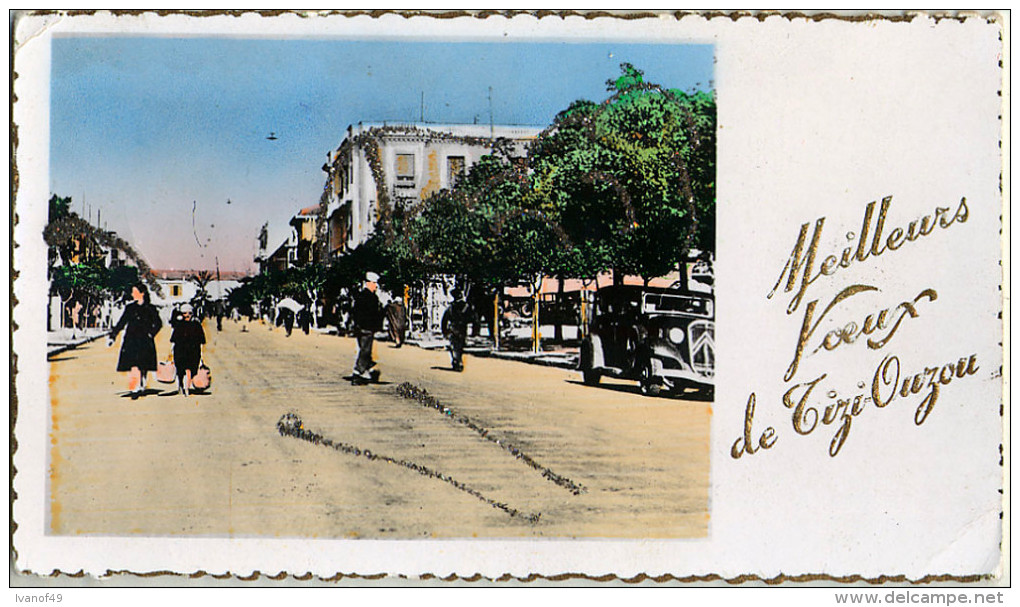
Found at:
[405, 167]
[455, 169]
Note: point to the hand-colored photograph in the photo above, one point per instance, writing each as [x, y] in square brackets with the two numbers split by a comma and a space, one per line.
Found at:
[342, 288]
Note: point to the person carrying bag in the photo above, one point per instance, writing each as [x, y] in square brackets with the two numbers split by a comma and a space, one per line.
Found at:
[187, 339]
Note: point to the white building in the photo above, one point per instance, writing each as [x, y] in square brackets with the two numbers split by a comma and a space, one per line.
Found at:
[412, 160]
[178, 288]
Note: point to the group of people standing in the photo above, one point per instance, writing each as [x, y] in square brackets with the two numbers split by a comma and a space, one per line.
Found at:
[367, 317]
[140, 323]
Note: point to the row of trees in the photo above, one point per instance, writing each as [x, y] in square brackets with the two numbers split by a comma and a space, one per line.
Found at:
[81, 272]
[90, 284]
[78, 268]
[626, 185]
[313, 283]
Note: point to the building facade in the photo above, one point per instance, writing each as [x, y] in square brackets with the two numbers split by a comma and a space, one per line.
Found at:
[401, 165]
[297, 246]
[305, 236]
[277, 248]
[179, 287]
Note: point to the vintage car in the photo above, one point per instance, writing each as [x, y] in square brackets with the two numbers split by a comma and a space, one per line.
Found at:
[663, 338]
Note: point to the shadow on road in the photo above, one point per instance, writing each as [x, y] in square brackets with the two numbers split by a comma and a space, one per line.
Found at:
[635, 389]
[145, 392]
[192, 393]
[447, 369]
[351, 378]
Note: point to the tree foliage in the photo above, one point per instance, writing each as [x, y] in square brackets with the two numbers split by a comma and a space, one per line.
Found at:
[630, 180]
[627, 184]
[90, 282]
[60, 207]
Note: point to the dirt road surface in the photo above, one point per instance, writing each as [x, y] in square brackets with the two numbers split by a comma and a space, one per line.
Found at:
[500, 461]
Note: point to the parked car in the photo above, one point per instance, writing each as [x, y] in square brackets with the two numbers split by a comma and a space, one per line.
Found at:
[663, 338]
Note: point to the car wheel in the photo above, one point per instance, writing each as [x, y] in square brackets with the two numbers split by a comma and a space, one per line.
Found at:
[650, 386]
[590, 375]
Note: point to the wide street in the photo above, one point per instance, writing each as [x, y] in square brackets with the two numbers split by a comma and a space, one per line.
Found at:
[504, 449]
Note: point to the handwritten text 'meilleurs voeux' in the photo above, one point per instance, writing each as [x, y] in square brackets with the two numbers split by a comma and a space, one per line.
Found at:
[803, 269]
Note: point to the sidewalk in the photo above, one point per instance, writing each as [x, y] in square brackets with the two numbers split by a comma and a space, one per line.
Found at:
[66, 339]
[563, 359]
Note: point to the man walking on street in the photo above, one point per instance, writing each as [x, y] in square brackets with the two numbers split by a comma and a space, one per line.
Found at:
[396, 318]
[454, 325]
[367, 317]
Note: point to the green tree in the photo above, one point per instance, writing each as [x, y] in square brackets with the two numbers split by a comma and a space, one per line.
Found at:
[59, 207]
[120, 279]
[486, 232]
[78, 283]
[242, 297]
[627, 184]
[201, 301]
[631, 180]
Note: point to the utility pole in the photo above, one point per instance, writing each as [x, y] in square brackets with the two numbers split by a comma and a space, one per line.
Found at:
[422, 106]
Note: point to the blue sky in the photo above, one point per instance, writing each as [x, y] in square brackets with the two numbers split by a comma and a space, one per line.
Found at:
[146, 129]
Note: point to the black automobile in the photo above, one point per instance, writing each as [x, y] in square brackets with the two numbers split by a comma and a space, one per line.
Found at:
[663, 338]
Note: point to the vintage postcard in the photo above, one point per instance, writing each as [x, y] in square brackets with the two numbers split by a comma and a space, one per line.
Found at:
[687, 296]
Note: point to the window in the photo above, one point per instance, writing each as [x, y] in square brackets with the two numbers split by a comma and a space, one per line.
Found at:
[454, 170]
[175, 290]
[338, 183]
[405, 167]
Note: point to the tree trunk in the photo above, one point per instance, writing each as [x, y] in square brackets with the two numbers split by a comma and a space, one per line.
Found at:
[558, 328]
[682, 272]
[617, 278]
[476, 320]
[494, 326]
[63, 310]
[409, 325]
[536, 332]
[582, 330]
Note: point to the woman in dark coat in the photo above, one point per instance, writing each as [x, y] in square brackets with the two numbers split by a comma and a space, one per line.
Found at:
[187, 339]
[140, 323]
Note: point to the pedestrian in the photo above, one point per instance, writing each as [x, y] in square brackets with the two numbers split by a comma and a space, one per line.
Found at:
[140, 323]
[187, 339]
[454, 326]
[287, 317]
[219, 317]
[396, 318]
[304, 320]
[367, 318]
[342, 313]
